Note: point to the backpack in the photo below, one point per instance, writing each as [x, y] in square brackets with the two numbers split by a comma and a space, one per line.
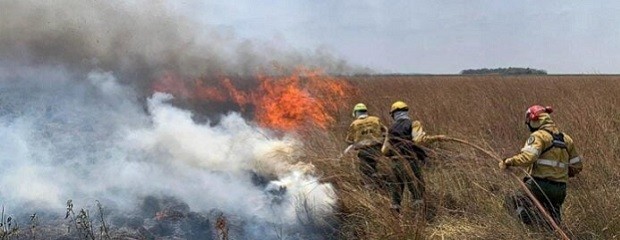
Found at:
[558, 142]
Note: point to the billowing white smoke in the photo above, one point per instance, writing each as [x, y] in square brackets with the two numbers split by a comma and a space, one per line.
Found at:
[70, 132]
[218, 160]
[62, 138]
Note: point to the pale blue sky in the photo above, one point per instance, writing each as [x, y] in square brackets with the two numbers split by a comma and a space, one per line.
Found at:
[432, 36]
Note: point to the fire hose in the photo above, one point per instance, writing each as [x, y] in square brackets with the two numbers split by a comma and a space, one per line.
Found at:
[555, 226]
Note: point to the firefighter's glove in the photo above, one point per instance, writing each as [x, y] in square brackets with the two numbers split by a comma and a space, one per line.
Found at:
[502, 165]
[572, 172]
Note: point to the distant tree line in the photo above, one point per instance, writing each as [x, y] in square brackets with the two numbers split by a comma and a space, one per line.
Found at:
[505, 71]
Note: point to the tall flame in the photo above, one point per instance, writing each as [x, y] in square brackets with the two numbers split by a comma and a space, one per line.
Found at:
[304, 98]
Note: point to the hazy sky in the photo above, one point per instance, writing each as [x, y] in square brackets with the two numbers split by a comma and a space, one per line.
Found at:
[433, 36]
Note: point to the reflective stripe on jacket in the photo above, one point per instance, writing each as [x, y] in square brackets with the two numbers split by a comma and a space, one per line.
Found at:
[553, 164]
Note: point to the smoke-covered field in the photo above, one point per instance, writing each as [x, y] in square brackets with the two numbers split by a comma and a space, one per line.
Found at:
[84, 116]
[93, 140]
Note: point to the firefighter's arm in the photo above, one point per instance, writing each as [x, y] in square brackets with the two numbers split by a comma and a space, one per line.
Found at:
[529, 153]
[350, 133]
[384, 130]
[387, 147]
[420, 136]
[575, 164]
[417, 132]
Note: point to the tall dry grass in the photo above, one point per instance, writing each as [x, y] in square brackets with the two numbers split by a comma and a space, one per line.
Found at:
[465, 190]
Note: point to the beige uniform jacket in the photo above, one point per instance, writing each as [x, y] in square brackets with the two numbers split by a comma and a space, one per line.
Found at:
[366, 131]
[553, 164]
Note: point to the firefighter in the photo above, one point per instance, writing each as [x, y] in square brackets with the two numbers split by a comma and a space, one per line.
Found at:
[550, 158]
[366, 135]
[401, 147]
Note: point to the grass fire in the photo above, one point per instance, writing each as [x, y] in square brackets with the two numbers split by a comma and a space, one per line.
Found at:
[294, 102]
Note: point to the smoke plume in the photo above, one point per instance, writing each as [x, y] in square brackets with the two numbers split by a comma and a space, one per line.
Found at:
[138, 41]
[82, 140]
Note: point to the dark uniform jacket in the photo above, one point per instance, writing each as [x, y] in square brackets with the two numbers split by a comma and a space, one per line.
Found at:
[400, 141]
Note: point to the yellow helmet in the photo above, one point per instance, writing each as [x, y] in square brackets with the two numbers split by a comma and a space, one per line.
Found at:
[359, 107]
[398, 105]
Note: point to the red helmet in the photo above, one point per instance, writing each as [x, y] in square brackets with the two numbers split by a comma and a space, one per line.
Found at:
[533, 112]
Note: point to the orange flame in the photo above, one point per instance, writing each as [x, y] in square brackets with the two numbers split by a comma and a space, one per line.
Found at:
[303, 98]
[288, 103]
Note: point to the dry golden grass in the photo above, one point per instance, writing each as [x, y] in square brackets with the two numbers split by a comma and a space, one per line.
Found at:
[465, 190]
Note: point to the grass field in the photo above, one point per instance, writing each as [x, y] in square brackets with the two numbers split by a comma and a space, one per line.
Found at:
[465, 189]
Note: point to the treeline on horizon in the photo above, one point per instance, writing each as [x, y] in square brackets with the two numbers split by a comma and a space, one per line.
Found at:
[505, 71]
